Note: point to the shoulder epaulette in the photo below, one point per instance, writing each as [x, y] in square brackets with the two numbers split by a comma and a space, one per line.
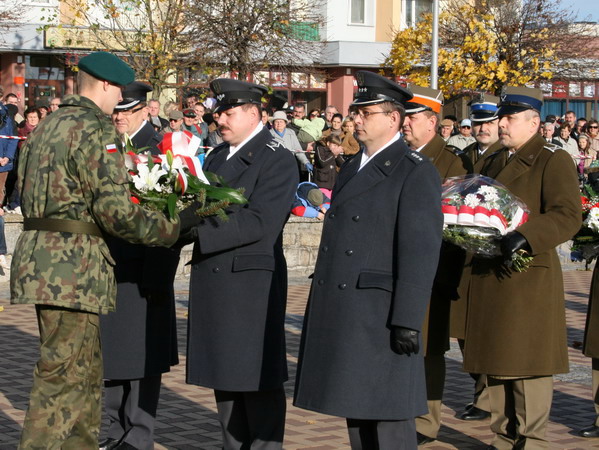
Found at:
[415, 156]
[274, 145]
[551, 147]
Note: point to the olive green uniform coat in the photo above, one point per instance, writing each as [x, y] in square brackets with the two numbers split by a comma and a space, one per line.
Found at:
[516, 323]
[459, 306]
[449, 162]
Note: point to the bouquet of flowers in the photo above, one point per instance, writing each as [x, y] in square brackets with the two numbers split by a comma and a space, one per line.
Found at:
[477, 212]
[585, 244]
[171, 181]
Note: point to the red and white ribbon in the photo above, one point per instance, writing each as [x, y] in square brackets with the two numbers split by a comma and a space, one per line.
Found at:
[21, 138]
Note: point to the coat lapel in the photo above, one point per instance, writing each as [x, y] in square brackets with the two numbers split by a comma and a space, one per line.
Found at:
[434, 149]
[348, 170]
[373, 173]
[519, 164]
[232, 168]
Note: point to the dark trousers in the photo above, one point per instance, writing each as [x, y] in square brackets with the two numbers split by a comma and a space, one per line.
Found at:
[131, 408]
[252, 420]
[382, 434]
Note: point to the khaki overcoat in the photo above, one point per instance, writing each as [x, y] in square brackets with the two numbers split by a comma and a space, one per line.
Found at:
[449, 162]
[516, 321]
[457, 317]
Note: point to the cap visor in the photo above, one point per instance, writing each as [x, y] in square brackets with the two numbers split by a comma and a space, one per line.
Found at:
[511, 109]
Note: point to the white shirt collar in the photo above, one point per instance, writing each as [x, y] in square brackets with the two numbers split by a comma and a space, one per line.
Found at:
[366, 159]
[234, 149]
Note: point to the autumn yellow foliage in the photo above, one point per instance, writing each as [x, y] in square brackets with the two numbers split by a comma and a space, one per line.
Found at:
[474, 52]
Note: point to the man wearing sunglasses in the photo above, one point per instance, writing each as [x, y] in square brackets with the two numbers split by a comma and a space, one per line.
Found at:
[464, 138]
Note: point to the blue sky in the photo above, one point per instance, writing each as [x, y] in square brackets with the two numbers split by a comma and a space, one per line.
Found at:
[585, 8]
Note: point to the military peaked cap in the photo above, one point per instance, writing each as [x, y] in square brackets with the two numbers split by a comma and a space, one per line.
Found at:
[484, 108]
[133, 94]
[425, 99]
[517, 99]
[230, 93]
[107, 67]
[374, 88]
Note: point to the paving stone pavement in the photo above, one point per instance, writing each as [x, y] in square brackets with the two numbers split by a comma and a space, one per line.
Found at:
[187, 419]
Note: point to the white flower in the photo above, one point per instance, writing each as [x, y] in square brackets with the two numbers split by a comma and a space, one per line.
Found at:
[178, 163]
[146, 179]
[489, 193]
[471, 200]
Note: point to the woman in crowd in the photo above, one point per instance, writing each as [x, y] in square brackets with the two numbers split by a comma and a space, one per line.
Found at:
[348, 141]
[32, 119]
[586, 157]
[565, 141]
[327, 160]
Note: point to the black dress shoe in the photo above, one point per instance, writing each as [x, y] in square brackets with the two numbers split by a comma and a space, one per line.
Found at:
[108, 444]
[423, 439]
[589, 432]
[474, 413]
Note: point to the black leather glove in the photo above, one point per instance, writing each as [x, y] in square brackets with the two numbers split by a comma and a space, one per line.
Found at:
[188, 218]
[404, 341]
[511, 243]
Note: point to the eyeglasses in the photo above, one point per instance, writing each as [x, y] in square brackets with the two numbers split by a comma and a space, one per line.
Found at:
[174, 120]
[130, 112]
[465, 126]
[593, 126]
[365, 114]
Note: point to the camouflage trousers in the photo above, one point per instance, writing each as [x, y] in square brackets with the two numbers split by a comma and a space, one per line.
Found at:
[65, 403]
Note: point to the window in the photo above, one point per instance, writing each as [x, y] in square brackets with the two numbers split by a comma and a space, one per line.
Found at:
[358, 11]
[413, 9]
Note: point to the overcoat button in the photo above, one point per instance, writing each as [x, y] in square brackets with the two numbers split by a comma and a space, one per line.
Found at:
[325, 248]
[355, 218]
[349, 252]
[320, 282]
[342, 286]
[216, 269]
[331, 216]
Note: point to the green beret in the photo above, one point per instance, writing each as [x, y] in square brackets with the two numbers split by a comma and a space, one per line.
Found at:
[108, 67]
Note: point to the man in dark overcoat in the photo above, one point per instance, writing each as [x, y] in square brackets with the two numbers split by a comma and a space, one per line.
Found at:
[591, 349]
[420, 133]
[359, 355]
[238, 292]
[139, 339]
[485, 129]
[516, 325]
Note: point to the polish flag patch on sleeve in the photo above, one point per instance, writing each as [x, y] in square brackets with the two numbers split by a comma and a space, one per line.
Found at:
[111, 148]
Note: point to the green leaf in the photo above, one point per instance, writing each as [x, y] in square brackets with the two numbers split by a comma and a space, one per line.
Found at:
[172, 205]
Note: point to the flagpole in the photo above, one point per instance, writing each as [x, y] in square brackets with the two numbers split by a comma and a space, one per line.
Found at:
[435, 46]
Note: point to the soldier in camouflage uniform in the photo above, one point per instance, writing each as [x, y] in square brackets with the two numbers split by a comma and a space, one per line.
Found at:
[74, 188]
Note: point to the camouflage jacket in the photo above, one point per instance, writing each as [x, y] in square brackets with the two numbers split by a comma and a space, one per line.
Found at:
[72, 168]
